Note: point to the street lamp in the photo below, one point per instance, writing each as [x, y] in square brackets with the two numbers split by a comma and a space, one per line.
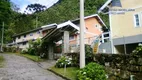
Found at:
[82, 25]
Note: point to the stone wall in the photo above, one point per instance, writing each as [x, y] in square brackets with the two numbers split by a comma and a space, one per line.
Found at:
[121, 65]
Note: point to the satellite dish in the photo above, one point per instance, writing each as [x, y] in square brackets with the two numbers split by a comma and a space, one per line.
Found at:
[116, 3]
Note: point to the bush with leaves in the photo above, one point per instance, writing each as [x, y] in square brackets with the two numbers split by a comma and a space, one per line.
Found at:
[24, 52]
[63, 61]
[137, 52]
[88, 54]
[34, 47]
[92, 71]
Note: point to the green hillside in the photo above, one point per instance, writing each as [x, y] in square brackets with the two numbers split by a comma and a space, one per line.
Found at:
[60, 12]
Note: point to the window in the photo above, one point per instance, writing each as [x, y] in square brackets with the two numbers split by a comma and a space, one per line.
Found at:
[38, 32]
[71, 37]
[137, 20]
[24, 36]
[24, 43]
[96, 26]
[31, 34]
[86, 28]
[18, 37]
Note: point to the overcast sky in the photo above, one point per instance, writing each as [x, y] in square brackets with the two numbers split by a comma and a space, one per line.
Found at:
[22, 4]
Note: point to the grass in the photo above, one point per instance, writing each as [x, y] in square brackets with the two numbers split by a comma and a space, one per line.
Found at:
[70, 72]
[1, 61]
[31, 57]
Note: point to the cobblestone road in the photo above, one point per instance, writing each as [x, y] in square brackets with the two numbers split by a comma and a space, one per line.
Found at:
[20, 68]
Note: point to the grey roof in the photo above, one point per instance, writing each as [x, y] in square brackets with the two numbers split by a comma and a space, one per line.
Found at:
[37, 29]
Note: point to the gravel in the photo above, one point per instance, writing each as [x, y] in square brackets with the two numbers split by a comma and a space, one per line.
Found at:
[21, 68]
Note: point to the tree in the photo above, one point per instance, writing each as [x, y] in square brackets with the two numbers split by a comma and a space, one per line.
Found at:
[5, 15]
[5, 11]
[35, 8]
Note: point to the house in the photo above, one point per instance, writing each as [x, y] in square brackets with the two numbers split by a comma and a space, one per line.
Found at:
[125, 26]
[93, 29]
[67, 34]
[21, 40]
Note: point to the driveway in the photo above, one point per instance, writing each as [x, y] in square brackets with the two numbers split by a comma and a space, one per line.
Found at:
[20, 68]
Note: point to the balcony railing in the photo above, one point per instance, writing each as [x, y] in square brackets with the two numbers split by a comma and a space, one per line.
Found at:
[105, 37]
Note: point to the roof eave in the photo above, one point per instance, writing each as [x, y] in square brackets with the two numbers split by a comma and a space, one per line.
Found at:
[105, 5]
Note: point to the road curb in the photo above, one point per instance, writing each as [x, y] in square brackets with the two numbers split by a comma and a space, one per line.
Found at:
[58, 74]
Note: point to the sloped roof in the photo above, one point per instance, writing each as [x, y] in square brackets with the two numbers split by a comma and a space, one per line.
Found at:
[104, 6]
[45, 27]
[56, 34]
[87, 17]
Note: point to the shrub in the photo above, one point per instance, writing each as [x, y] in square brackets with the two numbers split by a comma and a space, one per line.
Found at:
[61, 62]
[137, 52]
[31, 51]
[24, 52]
[92, 71]
[88, 54]
[9, 49]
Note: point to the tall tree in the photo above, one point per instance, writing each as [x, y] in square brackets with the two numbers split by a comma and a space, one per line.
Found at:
[35, 8]
[5, 11]
[5, 16]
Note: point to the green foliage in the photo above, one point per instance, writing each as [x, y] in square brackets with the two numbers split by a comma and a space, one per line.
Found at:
[63, 61]
[138, 51]
[70, 72]
[69, 10]
[23, 23]
[1, 61]
[31, 57]
[5, 11]
[5, 15]
[24, 52]
[60, 12]
[92, 71]
[34, 47]
[9, 49]
[88, 54]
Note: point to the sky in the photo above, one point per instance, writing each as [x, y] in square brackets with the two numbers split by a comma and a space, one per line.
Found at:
[22, 4]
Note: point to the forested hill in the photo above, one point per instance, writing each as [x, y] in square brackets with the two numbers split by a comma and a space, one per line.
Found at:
[68, 10]
[62, 11]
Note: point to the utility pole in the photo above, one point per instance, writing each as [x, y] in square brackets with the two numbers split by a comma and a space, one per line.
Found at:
[82, 25]
[36, 21]
[2, 37]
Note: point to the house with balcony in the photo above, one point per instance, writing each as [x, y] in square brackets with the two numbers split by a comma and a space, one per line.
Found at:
[66, 34]
[125, 26]
[93, 29]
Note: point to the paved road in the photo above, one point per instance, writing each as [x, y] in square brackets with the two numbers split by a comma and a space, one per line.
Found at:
[20, 68]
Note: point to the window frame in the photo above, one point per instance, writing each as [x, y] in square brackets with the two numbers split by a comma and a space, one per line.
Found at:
[72, 38]
[31, 34]
[25, 36]
[24, 43]
[38, 32]
[19, 37]
[135, 22]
